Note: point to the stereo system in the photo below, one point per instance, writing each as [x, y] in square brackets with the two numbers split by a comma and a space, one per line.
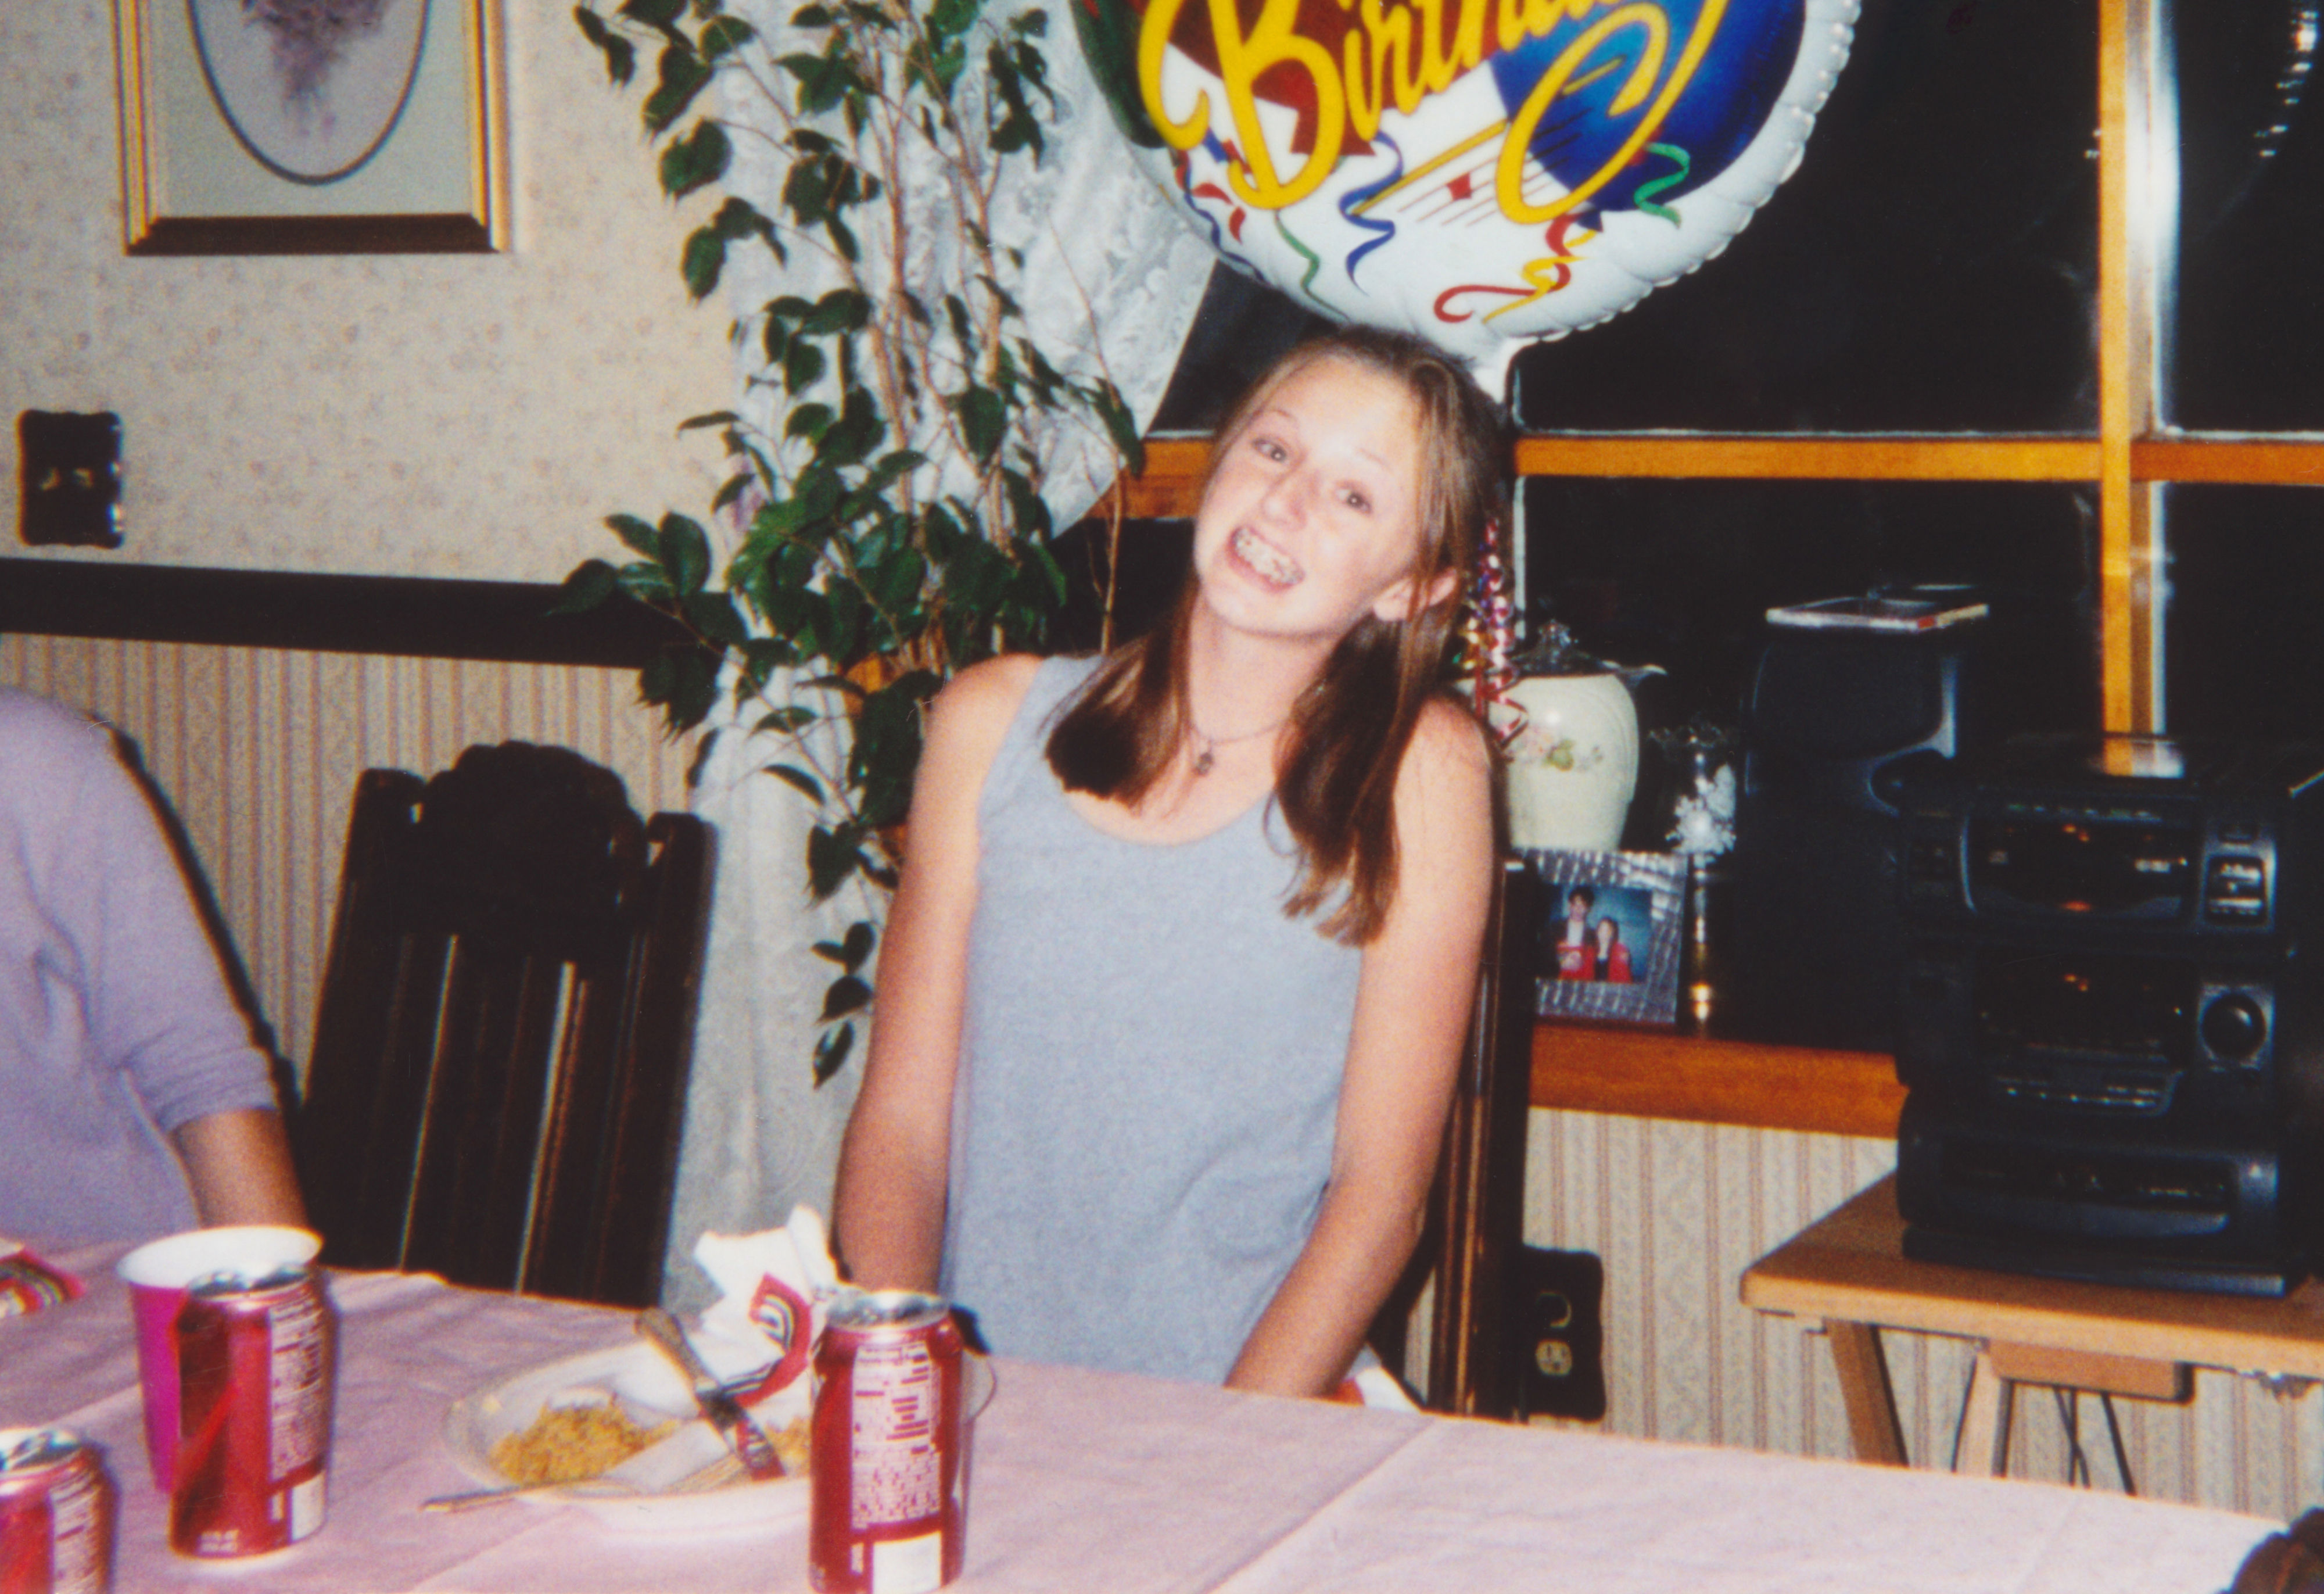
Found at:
[2110, 1020]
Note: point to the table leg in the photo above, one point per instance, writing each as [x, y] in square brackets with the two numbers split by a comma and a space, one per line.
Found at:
[1984, 1451]
[1872, 1428]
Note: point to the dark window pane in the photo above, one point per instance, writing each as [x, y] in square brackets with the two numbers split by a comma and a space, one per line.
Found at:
[2249, 351]
[1682, 573]
[1930, 267]
[2243, 654]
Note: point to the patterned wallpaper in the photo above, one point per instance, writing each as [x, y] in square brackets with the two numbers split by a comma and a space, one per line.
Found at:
[260, 750]
[440, 415]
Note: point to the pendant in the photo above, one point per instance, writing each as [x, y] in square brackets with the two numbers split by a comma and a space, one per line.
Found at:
[1203, 762]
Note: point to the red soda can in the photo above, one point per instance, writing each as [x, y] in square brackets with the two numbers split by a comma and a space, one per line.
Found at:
[887, 1474]
[56, 1514]
[255, 1366]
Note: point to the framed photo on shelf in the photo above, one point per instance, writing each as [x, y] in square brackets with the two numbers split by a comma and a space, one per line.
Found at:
[1612, 925]
[311, 126]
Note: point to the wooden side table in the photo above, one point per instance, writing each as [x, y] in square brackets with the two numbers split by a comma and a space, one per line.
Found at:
[1849, 1268]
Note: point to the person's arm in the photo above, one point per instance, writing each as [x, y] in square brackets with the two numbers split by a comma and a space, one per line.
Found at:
[1413, 1005]
[888, 1207]
[239, 1166]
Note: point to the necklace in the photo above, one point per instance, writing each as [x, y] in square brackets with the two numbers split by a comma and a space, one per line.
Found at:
[1205, 755]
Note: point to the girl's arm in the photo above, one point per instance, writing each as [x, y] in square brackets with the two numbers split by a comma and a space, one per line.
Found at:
[890, 1203]
[1413, 1005]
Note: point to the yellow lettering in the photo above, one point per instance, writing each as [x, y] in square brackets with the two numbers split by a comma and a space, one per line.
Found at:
[1153, 37]
[1522, 20]
[1274, 42]
[1437, 69]
[1368, 84]
[1508, 179]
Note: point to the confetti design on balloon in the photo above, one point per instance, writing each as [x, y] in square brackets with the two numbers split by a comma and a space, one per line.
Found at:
[1314, 263]
[1647, 190]
[1356, 198]
[1490, 640]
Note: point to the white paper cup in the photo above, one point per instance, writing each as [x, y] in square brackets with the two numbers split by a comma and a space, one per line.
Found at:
[157, 1274]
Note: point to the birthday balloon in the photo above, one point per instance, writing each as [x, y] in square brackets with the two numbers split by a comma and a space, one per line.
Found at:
[1485, 172]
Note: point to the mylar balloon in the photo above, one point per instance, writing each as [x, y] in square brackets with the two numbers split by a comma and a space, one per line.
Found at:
[1485, 172]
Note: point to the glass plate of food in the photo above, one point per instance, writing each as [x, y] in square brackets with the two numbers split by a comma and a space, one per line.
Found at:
[616, 1432]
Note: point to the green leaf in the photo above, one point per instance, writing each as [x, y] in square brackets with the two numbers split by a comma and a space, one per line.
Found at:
[849, 953]
[645, 581]
[810, 16]
[803, 365]
[790, 718]
[845, 995]
[830, 1052]
[857, 432]
[808, 421]
[655, 13]
[732, 488]
[683, 77]
[685, 552]
[698, 159]
[895, 585]
[843, 309]
[703, 262]
[635, 534]
[832, 855]
[714, 418]
[591, 583]
[621, 55]
[715, 618]
[790, 775]
[684, 682]
[983, 420]
[724, 36]
[1120, 425]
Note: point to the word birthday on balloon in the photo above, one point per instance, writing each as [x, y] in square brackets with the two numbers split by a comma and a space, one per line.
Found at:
[1343, 72]
[1485, 172]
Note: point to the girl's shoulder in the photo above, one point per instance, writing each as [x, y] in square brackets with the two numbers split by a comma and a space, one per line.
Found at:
[1447, 745]
[995, 686]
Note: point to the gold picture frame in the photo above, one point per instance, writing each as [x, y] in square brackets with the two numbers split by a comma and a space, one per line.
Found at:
[311, 126]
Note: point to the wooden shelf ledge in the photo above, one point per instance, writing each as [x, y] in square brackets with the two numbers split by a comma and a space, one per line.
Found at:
[1645, 1073]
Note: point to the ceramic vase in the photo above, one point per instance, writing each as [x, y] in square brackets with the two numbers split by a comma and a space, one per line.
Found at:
[1574, 764]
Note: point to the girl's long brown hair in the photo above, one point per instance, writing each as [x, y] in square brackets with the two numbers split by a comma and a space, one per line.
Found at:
[1336, 786]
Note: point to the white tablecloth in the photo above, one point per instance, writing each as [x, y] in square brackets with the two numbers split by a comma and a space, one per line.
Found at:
[1087, 1481]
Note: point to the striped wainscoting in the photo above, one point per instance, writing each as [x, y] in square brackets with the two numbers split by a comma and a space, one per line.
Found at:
[259, 751]
[1678, 1210]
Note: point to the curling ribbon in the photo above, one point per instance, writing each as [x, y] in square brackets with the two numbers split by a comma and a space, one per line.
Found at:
[1315, 261]
[1491, 640]
[1647, 192]
[1355, 200]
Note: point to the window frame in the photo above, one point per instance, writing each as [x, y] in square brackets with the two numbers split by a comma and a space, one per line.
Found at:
[2130, 459]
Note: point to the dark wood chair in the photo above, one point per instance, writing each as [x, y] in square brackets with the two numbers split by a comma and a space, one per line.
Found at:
[506, 1022]
[1476, 1216]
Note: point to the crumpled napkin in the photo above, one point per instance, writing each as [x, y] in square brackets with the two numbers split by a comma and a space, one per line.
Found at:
[758, 1338]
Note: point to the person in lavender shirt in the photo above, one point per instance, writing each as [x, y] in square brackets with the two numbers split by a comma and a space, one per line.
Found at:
[132, 1102]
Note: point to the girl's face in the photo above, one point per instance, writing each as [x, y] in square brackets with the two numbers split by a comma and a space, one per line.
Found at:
[1311, 520]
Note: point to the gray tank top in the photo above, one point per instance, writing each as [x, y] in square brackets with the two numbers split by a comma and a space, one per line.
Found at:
[1149, 1071]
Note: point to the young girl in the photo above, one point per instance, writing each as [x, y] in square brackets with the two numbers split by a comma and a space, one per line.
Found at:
[1175, 981]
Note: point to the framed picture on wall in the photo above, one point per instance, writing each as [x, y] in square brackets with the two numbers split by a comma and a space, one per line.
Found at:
[311, 126]
[1609, 936]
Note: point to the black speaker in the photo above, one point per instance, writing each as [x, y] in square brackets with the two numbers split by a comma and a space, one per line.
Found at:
[1833, 722]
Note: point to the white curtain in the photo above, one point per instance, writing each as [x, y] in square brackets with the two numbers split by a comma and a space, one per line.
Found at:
[1112, 277]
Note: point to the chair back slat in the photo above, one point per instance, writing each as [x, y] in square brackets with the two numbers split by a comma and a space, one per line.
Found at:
[502, 1050]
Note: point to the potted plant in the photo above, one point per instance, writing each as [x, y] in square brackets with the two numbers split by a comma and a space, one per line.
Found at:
[882, 523]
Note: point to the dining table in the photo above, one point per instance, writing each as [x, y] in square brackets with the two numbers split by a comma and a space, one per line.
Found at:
[1087, 1481]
